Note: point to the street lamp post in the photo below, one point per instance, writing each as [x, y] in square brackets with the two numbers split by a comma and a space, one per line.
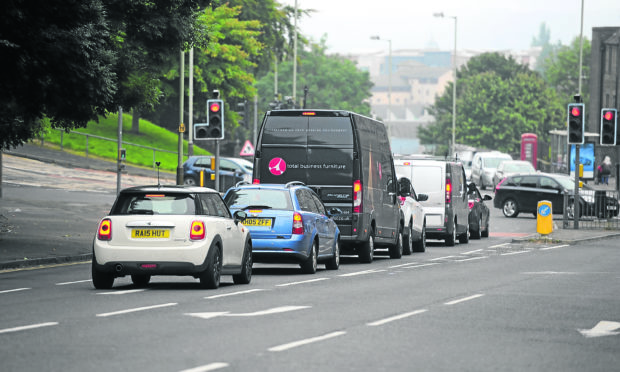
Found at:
[376, 37]
[441, 15]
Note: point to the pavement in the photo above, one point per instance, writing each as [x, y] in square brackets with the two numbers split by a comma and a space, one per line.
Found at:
[38, 230]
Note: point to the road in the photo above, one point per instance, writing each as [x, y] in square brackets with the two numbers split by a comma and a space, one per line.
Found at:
[488, 305]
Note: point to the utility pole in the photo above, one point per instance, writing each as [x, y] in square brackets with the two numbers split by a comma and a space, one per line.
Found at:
[181, 125]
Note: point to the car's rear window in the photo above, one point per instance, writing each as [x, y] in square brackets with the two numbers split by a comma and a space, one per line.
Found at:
[427, 179]
[265, 198]
[155, 203]
[303, 130]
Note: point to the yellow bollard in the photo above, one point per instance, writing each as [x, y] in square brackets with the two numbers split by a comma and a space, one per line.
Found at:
[544, 217]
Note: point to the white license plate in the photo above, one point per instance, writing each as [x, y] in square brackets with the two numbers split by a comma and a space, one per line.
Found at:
[150, 233]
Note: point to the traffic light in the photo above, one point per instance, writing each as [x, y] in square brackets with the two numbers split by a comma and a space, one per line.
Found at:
[575, 123]
[243, 112]
[609, 119]
[215, 119]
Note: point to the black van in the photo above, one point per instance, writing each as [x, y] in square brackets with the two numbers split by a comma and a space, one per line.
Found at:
[346, 158]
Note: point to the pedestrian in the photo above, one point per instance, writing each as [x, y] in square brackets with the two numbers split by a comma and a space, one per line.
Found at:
[599, 174]
[606, 170]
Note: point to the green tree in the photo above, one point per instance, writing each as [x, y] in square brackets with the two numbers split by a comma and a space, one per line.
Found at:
[543, 40]
[561, 70]
[333, 82]
[495, 105]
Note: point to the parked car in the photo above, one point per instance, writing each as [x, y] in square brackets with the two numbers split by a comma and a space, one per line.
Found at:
[414, 238]
[171, 230]
[510, 167]
[232, 171]
[446, 208]
[346, 159]
[483, 167]
[521, 193]
[288, 223]
[479, 214]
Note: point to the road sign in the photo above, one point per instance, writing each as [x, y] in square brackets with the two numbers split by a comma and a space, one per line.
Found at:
[248, 149]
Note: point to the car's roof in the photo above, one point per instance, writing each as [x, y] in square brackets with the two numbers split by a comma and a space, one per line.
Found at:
[271, 186]
[487, 154]
[168, 189]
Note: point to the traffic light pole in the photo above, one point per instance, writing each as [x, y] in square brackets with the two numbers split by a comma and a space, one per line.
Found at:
[576, 197]
[217, 165]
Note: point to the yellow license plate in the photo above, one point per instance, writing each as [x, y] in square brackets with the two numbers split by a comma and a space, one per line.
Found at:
[150, 233]
[257, 222]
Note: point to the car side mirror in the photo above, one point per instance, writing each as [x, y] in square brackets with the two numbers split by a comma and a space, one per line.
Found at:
[404, 187]
[422, 197]
[239, 216]
[487, 197]
[334, 212]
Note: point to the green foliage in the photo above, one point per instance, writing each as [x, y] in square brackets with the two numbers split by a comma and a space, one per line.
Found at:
[497, 101]
[561, 69]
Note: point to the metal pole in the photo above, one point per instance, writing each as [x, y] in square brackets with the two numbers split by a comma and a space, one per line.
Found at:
[217, 165]
[389, 125]
[181, 96]
[454, 96]
[255, 120]
[118, 151]
[580, 50]
[295, 55]
[190, 119]
[576, 203]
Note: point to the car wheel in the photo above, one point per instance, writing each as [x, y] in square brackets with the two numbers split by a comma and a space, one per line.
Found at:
[408, 242]
[367, 252]
[140, 280]
[245, 276]
[420, 245]
[510, 208]
[485, 233]
[464, 238]
[475, 233]
[334, 262]
[309, 265]
[451, 239]
[210, 278]
[101, 280]
[396, 250]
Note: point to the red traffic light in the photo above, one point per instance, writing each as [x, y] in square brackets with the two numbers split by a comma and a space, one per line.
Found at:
[608, 115]
[214, 107]
[575, 111]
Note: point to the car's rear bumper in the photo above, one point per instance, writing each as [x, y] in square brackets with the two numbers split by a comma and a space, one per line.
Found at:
[297, 248]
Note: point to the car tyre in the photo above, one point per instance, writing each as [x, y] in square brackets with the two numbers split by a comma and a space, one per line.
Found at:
[140, 280]
[510, 208]
[367, 252]
[191, 181]
[475, 234]
[101, 280]
[210, 278]
[451, 239]
[309, 265]
[334, 262]
[464, 238]
[420, 245]
[396, 250]
[245, 276]
[485, 233]
[408, 242]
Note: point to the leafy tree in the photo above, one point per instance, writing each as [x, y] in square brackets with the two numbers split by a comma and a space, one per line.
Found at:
[495, 105]
[333, 82]
[561, 70]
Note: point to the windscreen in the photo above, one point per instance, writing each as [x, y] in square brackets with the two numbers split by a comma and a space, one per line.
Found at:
[492, 162]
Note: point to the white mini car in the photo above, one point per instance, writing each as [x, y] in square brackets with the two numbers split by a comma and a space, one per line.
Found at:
[171, 230]
[415, 220]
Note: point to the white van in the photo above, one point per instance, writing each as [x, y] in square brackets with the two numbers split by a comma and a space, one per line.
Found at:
[446, 209]
[483, 167]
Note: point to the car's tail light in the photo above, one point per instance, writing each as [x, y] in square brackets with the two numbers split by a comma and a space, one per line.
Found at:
[298, 224]
[357, 196]
[105, 230]
[470, 204]
[499, 183]
[197, 231]
[256, 181]
[402, 200]
[448, 190]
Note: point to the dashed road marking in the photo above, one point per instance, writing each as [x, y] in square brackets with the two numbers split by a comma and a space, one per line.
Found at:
[15, 290]
[136, 309]
[234, 293]
[396, 317]
[207, 367]
[463, 299]
[301, 282]
[306, 341]
[27, 327]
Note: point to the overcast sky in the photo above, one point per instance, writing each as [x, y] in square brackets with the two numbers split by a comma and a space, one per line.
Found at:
[481, 24]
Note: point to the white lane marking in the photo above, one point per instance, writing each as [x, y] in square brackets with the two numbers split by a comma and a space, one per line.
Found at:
[499, 245]
[275, 310]
[306, 341]
[122, 292]
[137, 309]
[602, 328]
[555, 247]
[15, 290]
[75, 282]
[474, 251]
[396, 317]
[463, 299]
[513, 253]
[23, 328]
[471, 259]
[442, 258]
[362, 272]
[301, 282]
[207, 367]
[422, 265]
[234, 293]
[403, 265]
[550, 273]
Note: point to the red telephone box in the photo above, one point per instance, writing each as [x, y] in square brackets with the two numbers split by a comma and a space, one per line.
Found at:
[529, 148]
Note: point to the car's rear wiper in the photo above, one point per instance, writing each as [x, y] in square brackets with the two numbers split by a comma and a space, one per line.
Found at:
[256, 207]
[141, 211]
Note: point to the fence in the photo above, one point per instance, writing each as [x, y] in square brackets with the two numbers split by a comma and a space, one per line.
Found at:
[598, 210]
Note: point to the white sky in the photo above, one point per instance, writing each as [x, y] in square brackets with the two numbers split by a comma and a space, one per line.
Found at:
[481, 24]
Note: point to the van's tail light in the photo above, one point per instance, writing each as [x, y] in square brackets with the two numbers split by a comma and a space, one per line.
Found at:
[256, 181]
[298, 224]
[470, 204]
[448, 190]
[197, 231]
[357, 196]
[105, 230]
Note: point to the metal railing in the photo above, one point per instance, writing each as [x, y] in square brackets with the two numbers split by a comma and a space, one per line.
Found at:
[598, 210]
